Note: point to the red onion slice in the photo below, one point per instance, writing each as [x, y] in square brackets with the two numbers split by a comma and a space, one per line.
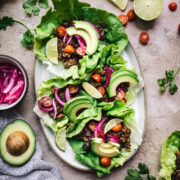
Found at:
[69, 40]
[67, 95]
[64, 38]
[59, 101]
[113, 138]
[109, 76]
[81, 43]
[42, 108]
[99, 36]
[55, 109]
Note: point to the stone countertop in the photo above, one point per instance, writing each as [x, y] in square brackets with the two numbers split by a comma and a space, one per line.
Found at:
[162, 53]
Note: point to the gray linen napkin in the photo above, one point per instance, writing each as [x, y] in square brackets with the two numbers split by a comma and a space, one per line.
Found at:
[35, 168]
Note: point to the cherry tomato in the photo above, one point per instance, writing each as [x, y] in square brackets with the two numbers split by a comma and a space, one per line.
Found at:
[96, 77]
[131, 15]
[179, 28]
[73, 89]
[117, 128]
[92, 125]
[69, 49]
[144, 37]
[102, 90]
[61, 31]
[105, 161]
[173, 6]
[47, 102]
[120, 95]
[124, 19]
[80, 51]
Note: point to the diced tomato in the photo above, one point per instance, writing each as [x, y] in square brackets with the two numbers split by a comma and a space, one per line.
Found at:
[61, 31]
[80, 51]
[105, 161]
[102, 90]
[73, 89]
[96, 77]
[120, 95]
[117, 128]
[144, 37]
[92, 125]
[47, 102]
[131, 15]
[124, 19]
[69, 49]
[173, 6]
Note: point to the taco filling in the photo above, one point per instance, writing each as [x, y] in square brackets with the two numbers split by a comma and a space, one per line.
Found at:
[176, 173]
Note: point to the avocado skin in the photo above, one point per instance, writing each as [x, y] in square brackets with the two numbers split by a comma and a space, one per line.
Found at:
[32, 139]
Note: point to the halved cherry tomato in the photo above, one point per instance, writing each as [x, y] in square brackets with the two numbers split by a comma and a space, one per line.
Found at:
[120, 95]
[92, 125]
[61, 31]
[144, 37]
[105, 161]
[69, 49]
[117, 128]
[173, 6]
[131, 15]
[80, 51]
[47, 102]
[102, 90]
[96, 77]
[124, 19]
[179, 28]
[73, 89]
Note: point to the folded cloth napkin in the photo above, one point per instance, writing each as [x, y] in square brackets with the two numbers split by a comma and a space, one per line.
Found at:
[35, 168]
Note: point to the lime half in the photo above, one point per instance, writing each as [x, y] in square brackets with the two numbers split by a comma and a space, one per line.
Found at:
[110, 124]
[148, 9]
[61, 139]
[51, 50]
[121, 4]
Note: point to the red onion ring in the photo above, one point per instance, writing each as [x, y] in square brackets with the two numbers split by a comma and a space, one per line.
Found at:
[59, 101]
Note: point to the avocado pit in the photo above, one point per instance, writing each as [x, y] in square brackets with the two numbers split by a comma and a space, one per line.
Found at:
[17, 143]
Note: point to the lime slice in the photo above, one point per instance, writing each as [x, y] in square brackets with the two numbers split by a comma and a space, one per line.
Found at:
[121, 4]
[148, 9]
[61, 139]
[51, 50]
[111, 124]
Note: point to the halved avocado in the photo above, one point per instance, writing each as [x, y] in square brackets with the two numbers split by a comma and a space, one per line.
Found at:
[17, 143]
[104, 149]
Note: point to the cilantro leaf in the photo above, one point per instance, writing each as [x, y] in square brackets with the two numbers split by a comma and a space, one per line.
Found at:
[43, 3]
[161, 82]
[31, 8]
[151, 177]
[6, 21]
[143, 168]
[173, 88]
[133, 178]
[133, 173]
[169, 75]
[28, 39]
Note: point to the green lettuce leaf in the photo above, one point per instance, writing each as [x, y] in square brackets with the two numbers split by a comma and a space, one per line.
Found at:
[168, 156]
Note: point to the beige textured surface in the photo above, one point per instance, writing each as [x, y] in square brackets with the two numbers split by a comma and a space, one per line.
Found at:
[162, 52]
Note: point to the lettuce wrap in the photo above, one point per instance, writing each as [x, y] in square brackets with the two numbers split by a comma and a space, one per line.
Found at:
[108, 52]
[168, 157]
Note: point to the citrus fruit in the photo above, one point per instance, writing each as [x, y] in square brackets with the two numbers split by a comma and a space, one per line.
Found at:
[61, 138]
[120, 3]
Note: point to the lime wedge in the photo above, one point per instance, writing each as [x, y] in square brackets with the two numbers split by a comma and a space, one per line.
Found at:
[51, 50]
[148, 9]
[61, 139]
[110, 124]
[121, 4]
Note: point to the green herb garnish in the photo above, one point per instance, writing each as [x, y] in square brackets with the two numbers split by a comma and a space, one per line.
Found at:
[28, 36]
[168, 81]
[142, 173]
[30, 6]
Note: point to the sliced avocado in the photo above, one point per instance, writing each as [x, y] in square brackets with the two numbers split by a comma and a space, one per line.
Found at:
[17, 143]
[115, 82]
[101, 149]
[75, 101]
[88, 33]
[91, 90]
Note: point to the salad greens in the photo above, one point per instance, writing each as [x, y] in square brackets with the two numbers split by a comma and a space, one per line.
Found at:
[168, 156]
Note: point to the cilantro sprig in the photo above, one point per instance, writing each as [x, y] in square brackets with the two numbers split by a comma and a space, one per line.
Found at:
[30, 6]
[142, 173]
[169, 81]
[28, 36]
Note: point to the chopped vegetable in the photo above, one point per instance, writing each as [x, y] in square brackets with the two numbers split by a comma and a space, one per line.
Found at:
[117, 128]
[144, 37]
[113, 138]
[80, 51]
[173, 6]
[55, 109]
[131, 15]
[92, 125]
[59, 101]
[120, 94]
[96, 77]
[40, 103]
[73, 89]
[67, 95]
[124, 19]
[11, 83]
[105, 161]
[69, 49]
[47, 102]
[109, 76]
[69, 40]
[100, 128]
[95, 29]
[82, 44]
[61, 31]
[102, 90]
